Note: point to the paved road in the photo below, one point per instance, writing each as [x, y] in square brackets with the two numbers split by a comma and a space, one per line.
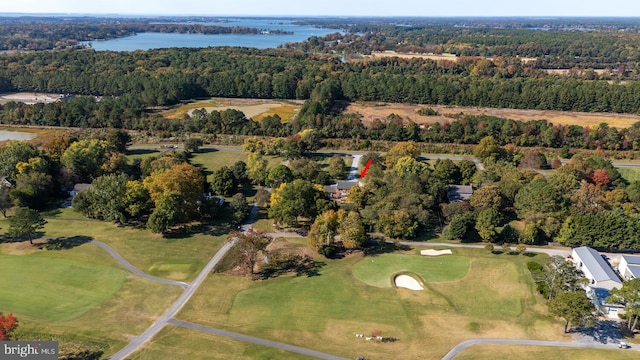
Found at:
[137, 342]
[254, 340]
[354, 166]
[133, 269]
[465, 344]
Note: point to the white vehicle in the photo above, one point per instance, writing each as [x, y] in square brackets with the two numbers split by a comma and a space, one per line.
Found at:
[622, 345]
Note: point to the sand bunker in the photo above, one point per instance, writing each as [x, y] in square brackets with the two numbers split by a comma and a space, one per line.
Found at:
[431, 252]
[407, 282]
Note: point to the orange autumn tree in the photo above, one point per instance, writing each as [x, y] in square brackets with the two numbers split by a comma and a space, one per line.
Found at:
[8, 324]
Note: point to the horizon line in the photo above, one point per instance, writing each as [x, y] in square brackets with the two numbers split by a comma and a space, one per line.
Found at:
[539, 17]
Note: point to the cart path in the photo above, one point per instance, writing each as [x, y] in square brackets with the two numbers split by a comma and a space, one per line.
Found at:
[136, 342]
[591, 345]
[254, 340]
[133, 269]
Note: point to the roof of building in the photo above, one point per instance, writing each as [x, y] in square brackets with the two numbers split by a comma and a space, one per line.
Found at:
[459, 193]
[602, 295]
[346, 185]
[331, 189]
[634, 270]
[631, 259]
[80, 187]
[598, 267]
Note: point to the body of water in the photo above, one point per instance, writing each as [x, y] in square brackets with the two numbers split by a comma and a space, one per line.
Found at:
[16, 135]
[146, 41]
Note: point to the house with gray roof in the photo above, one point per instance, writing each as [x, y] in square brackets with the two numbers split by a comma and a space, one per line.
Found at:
[629, 267]
[459, 193]
[602, 278]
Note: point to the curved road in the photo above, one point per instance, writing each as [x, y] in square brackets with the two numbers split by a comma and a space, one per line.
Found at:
[254, 340]
[465, 344]
[133, 269]
[138, 341]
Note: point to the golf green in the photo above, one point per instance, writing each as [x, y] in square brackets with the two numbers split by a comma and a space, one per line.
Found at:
[53, 288]
[377, 270]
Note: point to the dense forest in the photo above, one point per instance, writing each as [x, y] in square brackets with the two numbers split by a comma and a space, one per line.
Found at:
[606, 43]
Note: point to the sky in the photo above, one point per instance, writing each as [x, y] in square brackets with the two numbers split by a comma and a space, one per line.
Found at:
[552, 8]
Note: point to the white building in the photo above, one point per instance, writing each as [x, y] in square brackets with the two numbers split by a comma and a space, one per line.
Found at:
[629, 267]
[601, 277]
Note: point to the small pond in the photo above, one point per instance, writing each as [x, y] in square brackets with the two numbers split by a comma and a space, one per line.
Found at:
[16, 135]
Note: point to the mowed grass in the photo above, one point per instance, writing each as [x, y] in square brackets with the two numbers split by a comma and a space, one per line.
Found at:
[629, 173]
[177, 258]
[174, 342]
[78, 295]
[496, 298]
[377, 271]
[214, 160]
[70, 287]
[508, 352]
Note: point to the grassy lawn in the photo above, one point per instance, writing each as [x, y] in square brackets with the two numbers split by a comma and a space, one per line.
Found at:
[175, 342]
[377, 270]
[178, 258]
[508, 352]
[78, 296]
[212, 160]
[629, 173]
[496, 299]
[71, 287]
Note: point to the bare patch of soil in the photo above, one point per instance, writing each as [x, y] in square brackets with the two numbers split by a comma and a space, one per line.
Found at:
[409, 112]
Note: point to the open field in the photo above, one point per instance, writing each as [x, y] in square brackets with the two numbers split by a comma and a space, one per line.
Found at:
[213, 160]
[252, 108]
[508, 352]
[372, 111]
[175, 342]
[496, 299]
[377, 270]
[77, 295]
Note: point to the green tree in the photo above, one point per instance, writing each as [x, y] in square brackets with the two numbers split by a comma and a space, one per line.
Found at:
[538, 197]
[118, 140]
[85, 158]
[487, 197]
[169, 211]
[5, 200]
[486, 224]
[257, 168]
[531, 234]
[351, 230]
[279, 175]
[193, 144]
[338, 168]
[224, 183]
[239, 208]
[239, 170]
[299, 198]
[489, 149]
[399, 150]
[448, 171]
[467, 170]
[574, 307]
[324, 229]
[559, 277]
[629, 296]
[33, 189]
[12, 154]
[25, 222]
[407, 166]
